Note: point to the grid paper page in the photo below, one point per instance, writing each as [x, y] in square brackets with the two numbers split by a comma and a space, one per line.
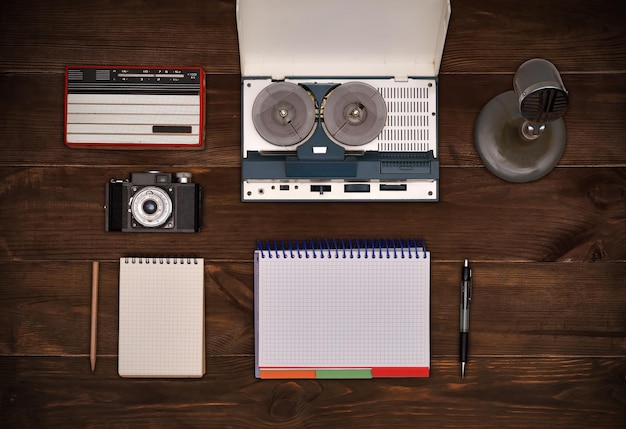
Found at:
[161, 317]
[343, 312]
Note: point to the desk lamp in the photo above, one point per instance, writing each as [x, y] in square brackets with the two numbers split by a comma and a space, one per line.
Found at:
[520, 134]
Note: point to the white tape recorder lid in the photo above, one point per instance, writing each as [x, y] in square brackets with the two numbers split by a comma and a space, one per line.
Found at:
[329, 38]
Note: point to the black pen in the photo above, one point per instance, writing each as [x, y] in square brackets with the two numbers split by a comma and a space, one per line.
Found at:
[466, 297]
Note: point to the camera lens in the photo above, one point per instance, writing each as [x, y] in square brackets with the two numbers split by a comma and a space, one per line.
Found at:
[149, 206]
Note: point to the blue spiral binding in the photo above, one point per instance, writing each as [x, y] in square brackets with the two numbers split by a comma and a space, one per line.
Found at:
[343, 248]
[414, 245]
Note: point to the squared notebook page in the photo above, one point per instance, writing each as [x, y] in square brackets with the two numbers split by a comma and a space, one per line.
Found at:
[161, 317]
[342, 312]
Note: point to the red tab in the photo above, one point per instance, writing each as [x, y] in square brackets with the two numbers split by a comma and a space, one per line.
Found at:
[413, 371]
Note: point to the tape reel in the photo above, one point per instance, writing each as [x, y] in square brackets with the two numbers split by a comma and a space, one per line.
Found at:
[284, 113]
[354, 113]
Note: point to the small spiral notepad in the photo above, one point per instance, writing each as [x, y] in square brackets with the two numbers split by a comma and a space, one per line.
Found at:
[342, 309]
[161, 317]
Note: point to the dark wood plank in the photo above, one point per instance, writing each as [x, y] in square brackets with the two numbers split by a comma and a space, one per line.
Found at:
[578, 36]
[571, 214]
[497, 36]
[519, 309]
[182, 33]
[594, 120]
[515, 393]
[32, 127]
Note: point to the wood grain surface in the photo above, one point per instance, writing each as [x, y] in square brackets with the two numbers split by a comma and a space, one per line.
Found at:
[548, 339]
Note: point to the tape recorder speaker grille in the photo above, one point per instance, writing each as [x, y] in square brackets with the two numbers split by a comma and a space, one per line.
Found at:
[284, 113]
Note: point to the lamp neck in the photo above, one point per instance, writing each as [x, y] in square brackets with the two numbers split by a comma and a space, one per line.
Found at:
[531, 131]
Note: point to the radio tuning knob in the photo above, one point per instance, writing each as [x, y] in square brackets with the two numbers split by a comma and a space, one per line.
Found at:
[183, 177]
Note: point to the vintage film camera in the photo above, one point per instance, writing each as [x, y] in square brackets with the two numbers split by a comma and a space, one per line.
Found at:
[153, 202]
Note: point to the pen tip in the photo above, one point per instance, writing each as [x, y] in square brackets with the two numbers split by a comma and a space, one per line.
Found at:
[462, 369]
[466, 263]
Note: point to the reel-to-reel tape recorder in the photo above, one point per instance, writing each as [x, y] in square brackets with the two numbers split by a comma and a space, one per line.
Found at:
[328, 138]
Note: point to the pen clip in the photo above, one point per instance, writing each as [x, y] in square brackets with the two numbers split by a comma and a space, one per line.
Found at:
[466, 278]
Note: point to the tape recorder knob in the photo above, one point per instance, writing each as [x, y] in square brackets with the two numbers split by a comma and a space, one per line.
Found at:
[183, 177]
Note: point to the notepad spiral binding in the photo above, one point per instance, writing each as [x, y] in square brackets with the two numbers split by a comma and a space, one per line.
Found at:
[343, 248]
[161, 260]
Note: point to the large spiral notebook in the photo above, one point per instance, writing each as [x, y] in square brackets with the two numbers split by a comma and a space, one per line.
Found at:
[161, 317]
[342, 309]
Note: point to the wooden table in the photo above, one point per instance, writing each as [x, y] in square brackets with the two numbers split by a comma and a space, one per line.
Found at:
[549, 313]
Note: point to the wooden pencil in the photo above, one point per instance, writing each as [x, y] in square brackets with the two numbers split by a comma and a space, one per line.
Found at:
[94, 313]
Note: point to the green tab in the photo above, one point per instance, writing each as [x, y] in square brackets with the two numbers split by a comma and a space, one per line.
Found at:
[343, 373]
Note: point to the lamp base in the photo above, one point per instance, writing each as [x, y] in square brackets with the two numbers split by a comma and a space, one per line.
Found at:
[506, 152]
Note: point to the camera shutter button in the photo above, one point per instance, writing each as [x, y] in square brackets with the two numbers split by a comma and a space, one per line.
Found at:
[183, 177]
